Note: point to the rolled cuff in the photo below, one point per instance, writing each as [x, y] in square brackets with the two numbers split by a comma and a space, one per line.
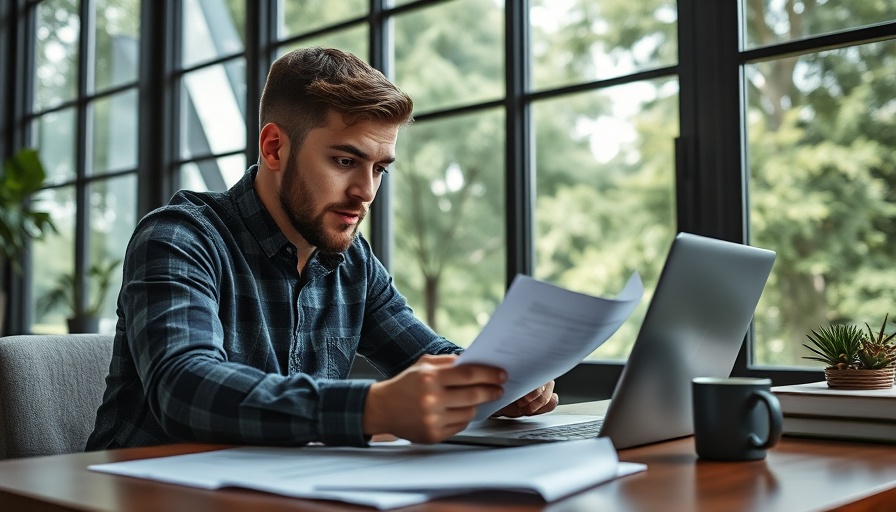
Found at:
[342, 412]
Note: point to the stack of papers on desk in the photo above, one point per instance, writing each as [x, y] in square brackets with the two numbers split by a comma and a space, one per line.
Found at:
[391, 475]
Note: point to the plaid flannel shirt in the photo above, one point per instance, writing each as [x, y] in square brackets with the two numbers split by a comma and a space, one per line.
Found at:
[219, 339]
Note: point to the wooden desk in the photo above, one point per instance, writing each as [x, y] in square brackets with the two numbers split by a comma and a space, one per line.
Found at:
[797, 475]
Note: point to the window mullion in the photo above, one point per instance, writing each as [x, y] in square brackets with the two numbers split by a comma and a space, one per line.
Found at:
[381, 209]
[519, 177]
[83, 146]
[157, 126]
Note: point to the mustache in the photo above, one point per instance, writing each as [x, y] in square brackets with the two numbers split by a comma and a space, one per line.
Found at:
[349, 207]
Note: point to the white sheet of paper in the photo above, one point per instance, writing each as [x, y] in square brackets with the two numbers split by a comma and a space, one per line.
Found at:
[541, 331]
[291, 472]
[551, 470]
[390, 476]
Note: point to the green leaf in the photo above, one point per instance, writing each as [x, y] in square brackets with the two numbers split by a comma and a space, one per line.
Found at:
[23, 175]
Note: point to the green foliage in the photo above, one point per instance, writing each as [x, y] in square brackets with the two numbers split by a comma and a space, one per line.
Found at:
[300, 16]
[22, 176]
[448, 211]
[450, 239]
[63, 294]
[837, 345]
[820, 132]
[56, 56]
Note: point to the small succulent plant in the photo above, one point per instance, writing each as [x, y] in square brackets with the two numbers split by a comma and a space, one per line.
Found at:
[845, 346]
[877, 351]
[836, 345]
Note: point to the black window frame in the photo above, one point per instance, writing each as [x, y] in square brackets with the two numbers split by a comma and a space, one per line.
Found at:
[18, 61]
[711, 180]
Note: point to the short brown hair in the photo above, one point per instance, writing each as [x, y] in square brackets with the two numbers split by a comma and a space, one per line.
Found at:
[304, 84]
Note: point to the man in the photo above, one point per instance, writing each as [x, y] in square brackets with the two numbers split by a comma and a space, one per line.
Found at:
[240, 312]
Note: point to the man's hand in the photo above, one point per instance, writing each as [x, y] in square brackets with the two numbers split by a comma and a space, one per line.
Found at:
[539, 401]
[432, 400]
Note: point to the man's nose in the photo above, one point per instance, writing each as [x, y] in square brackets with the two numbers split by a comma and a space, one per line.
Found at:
[364, 186]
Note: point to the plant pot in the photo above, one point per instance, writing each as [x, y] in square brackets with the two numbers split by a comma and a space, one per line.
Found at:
[860, 379]
[83, 324]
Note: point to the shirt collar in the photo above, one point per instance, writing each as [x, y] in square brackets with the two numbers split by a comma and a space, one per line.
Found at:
[262, 226]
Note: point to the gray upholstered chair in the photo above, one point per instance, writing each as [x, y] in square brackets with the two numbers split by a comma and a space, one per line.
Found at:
[50, 388]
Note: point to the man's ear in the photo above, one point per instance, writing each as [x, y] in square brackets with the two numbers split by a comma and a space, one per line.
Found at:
[271, 143]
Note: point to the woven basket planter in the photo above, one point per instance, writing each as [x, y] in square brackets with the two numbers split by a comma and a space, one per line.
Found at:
[860, 379]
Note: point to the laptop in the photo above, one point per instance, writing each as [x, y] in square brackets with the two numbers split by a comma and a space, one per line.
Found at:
[694, 327]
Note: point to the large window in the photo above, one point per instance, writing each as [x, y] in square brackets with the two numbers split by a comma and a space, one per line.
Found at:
[582, 99]
[565, 139]
[82, 117]
[211, 95]
[604, 142]
[821, 127]
[448, 186]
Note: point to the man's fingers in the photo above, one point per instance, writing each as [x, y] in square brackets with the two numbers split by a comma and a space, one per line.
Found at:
[539, 395]
[467, 396]
[538, 401]
[438, 359]
[472, 374]
[539, 407]
[532, 396]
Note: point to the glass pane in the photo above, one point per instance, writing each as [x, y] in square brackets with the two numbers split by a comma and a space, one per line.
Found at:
[215, 174]
[53, 260]
[212, 29]
[55, 138]
[448, 207]
[353, 40]
[775, 21]
[583, 40]
[300, 16]
[605, 200]
[113, 216]
[115, 132]
[117, 42]
[56, 52]
[821, 131]
[439, 64]
[213, 110]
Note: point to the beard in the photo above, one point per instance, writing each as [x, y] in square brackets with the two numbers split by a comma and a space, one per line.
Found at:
[297, 201]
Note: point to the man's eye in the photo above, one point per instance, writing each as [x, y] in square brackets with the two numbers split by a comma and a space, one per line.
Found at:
[344, 162]
[382, 170]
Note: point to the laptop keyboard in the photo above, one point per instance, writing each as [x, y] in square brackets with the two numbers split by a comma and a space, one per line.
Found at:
[584, 430]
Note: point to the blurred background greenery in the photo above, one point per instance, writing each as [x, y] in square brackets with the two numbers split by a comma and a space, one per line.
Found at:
[819, 128]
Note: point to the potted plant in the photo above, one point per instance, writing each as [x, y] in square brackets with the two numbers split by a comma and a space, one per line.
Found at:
[22, 175]
[855, 359]
[83, 316]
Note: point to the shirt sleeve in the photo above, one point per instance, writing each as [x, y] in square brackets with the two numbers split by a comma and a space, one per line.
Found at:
[392, 337]
[194, 391]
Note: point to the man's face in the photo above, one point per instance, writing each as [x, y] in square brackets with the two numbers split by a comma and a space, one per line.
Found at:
[330, 181]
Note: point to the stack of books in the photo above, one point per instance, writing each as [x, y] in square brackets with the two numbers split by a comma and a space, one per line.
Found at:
[815, 410]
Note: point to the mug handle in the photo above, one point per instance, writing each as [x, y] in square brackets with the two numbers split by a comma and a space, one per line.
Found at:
[775, 419]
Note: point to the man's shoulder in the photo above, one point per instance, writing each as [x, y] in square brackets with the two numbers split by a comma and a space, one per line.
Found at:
[192, 202]
[188, 204]
[200, 214]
